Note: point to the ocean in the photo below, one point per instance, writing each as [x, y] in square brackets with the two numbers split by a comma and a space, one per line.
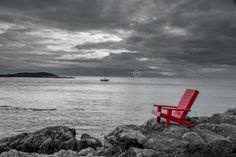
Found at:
[94, 107]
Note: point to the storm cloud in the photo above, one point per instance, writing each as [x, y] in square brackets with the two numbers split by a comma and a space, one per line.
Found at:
[82, 37]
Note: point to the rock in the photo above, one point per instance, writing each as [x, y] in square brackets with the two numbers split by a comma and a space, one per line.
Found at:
[132, 138]
[122, 128]
[15, 153]
[88, 141]
[218, 145]
[47, 147]
[136, 152]
[152, 124]
[199, 120]
[226, 130]
[126, 136]
[9, 143]
[213, 136]
[10, 153]
[71, 144]
[167, 145]
[175, 131]
[231, 111]
[222, 118]
[65, 153]
[121, 139]
[196, 143]
[61, 153]
[109, 150]
[87, 152]
[228, 117]
[48, 141]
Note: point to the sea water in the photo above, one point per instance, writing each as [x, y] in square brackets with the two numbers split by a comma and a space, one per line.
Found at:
[94, 107]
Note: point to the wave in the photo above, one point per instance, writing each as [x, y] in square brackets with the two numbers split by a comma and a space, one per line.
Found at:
[6, 107]
[79, 109]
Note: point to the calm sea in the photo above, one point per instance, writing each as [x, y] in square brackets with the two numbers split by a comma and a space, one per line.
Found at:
[94, 107]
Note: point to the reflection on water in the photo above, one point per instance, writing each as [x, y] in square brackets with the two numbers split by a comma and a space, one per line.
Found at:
[94, 107]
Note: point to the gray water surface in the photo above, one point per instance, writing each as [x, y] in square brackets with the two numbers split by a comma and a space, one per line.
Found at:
[94, 107]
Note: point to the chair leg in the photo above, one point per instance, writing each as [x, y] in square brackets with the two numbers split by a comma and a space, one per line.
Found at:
[169, 112]
[167, 122]
[159, 110]
[186, 123]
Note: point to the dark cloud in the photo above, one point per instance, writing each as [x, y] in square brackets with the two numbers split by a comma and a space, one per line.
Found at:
[158, 37]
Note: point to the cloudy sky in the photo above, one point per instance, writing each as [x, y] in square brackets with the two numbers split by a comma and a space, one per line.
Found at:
[174, 38]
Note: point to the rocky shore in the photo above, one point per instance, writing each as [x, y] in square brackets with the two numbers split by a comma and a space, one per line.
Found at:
[213, 136]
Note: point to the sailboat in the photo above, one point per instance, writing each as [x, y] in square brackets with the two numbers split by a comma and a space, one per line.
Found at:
[105, 75]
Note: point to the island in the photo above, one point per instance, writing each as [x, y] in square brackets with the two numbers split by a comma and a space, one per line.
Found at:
[34, 74]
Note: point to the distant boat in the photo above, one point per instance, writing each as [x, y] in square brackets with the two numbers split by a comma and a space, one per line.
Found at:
[105, 75]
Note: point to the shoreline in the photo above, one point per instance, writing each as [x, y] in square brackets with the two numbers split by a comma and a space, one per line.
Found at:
[213, 136]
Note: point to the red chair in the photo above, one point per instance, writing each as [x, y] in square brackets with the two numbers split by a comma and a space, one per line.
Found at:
[177, 113]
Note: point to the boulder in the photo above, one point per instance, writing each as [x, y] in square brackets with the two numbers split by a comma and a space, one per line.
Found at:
[12, 153]
[222, 118]
[198, 120]
[65, 153]
[217, 144]
[175, 131]
[47, 147]
[121, 139]
[226, 130]
[213, 136]
[172, 147]
[87, 152]
[109, 150]
[137, 152]
[152, 124]
[61, 153]
[88, 141]
[196, 143]
[15, 153]
[9, 143]
[228, 117]
[125, 137]
[231, 111]
[132, 138]
[47, 141]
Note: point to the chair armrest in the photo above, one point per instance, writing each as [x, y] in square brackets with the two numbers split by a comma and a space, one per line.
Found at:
[176, 109]
[164, 105]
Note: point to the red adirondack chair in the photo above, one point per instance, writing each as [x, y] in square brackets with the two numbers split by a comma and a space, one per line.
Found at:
[177, 113]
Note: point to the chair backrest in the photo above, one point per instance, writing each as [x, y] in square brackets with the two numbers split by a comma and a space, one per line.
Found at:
[186, 102]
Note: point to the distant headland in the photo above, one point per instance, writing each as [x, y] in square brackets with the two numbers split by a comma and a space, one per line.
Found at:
[34, 74]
